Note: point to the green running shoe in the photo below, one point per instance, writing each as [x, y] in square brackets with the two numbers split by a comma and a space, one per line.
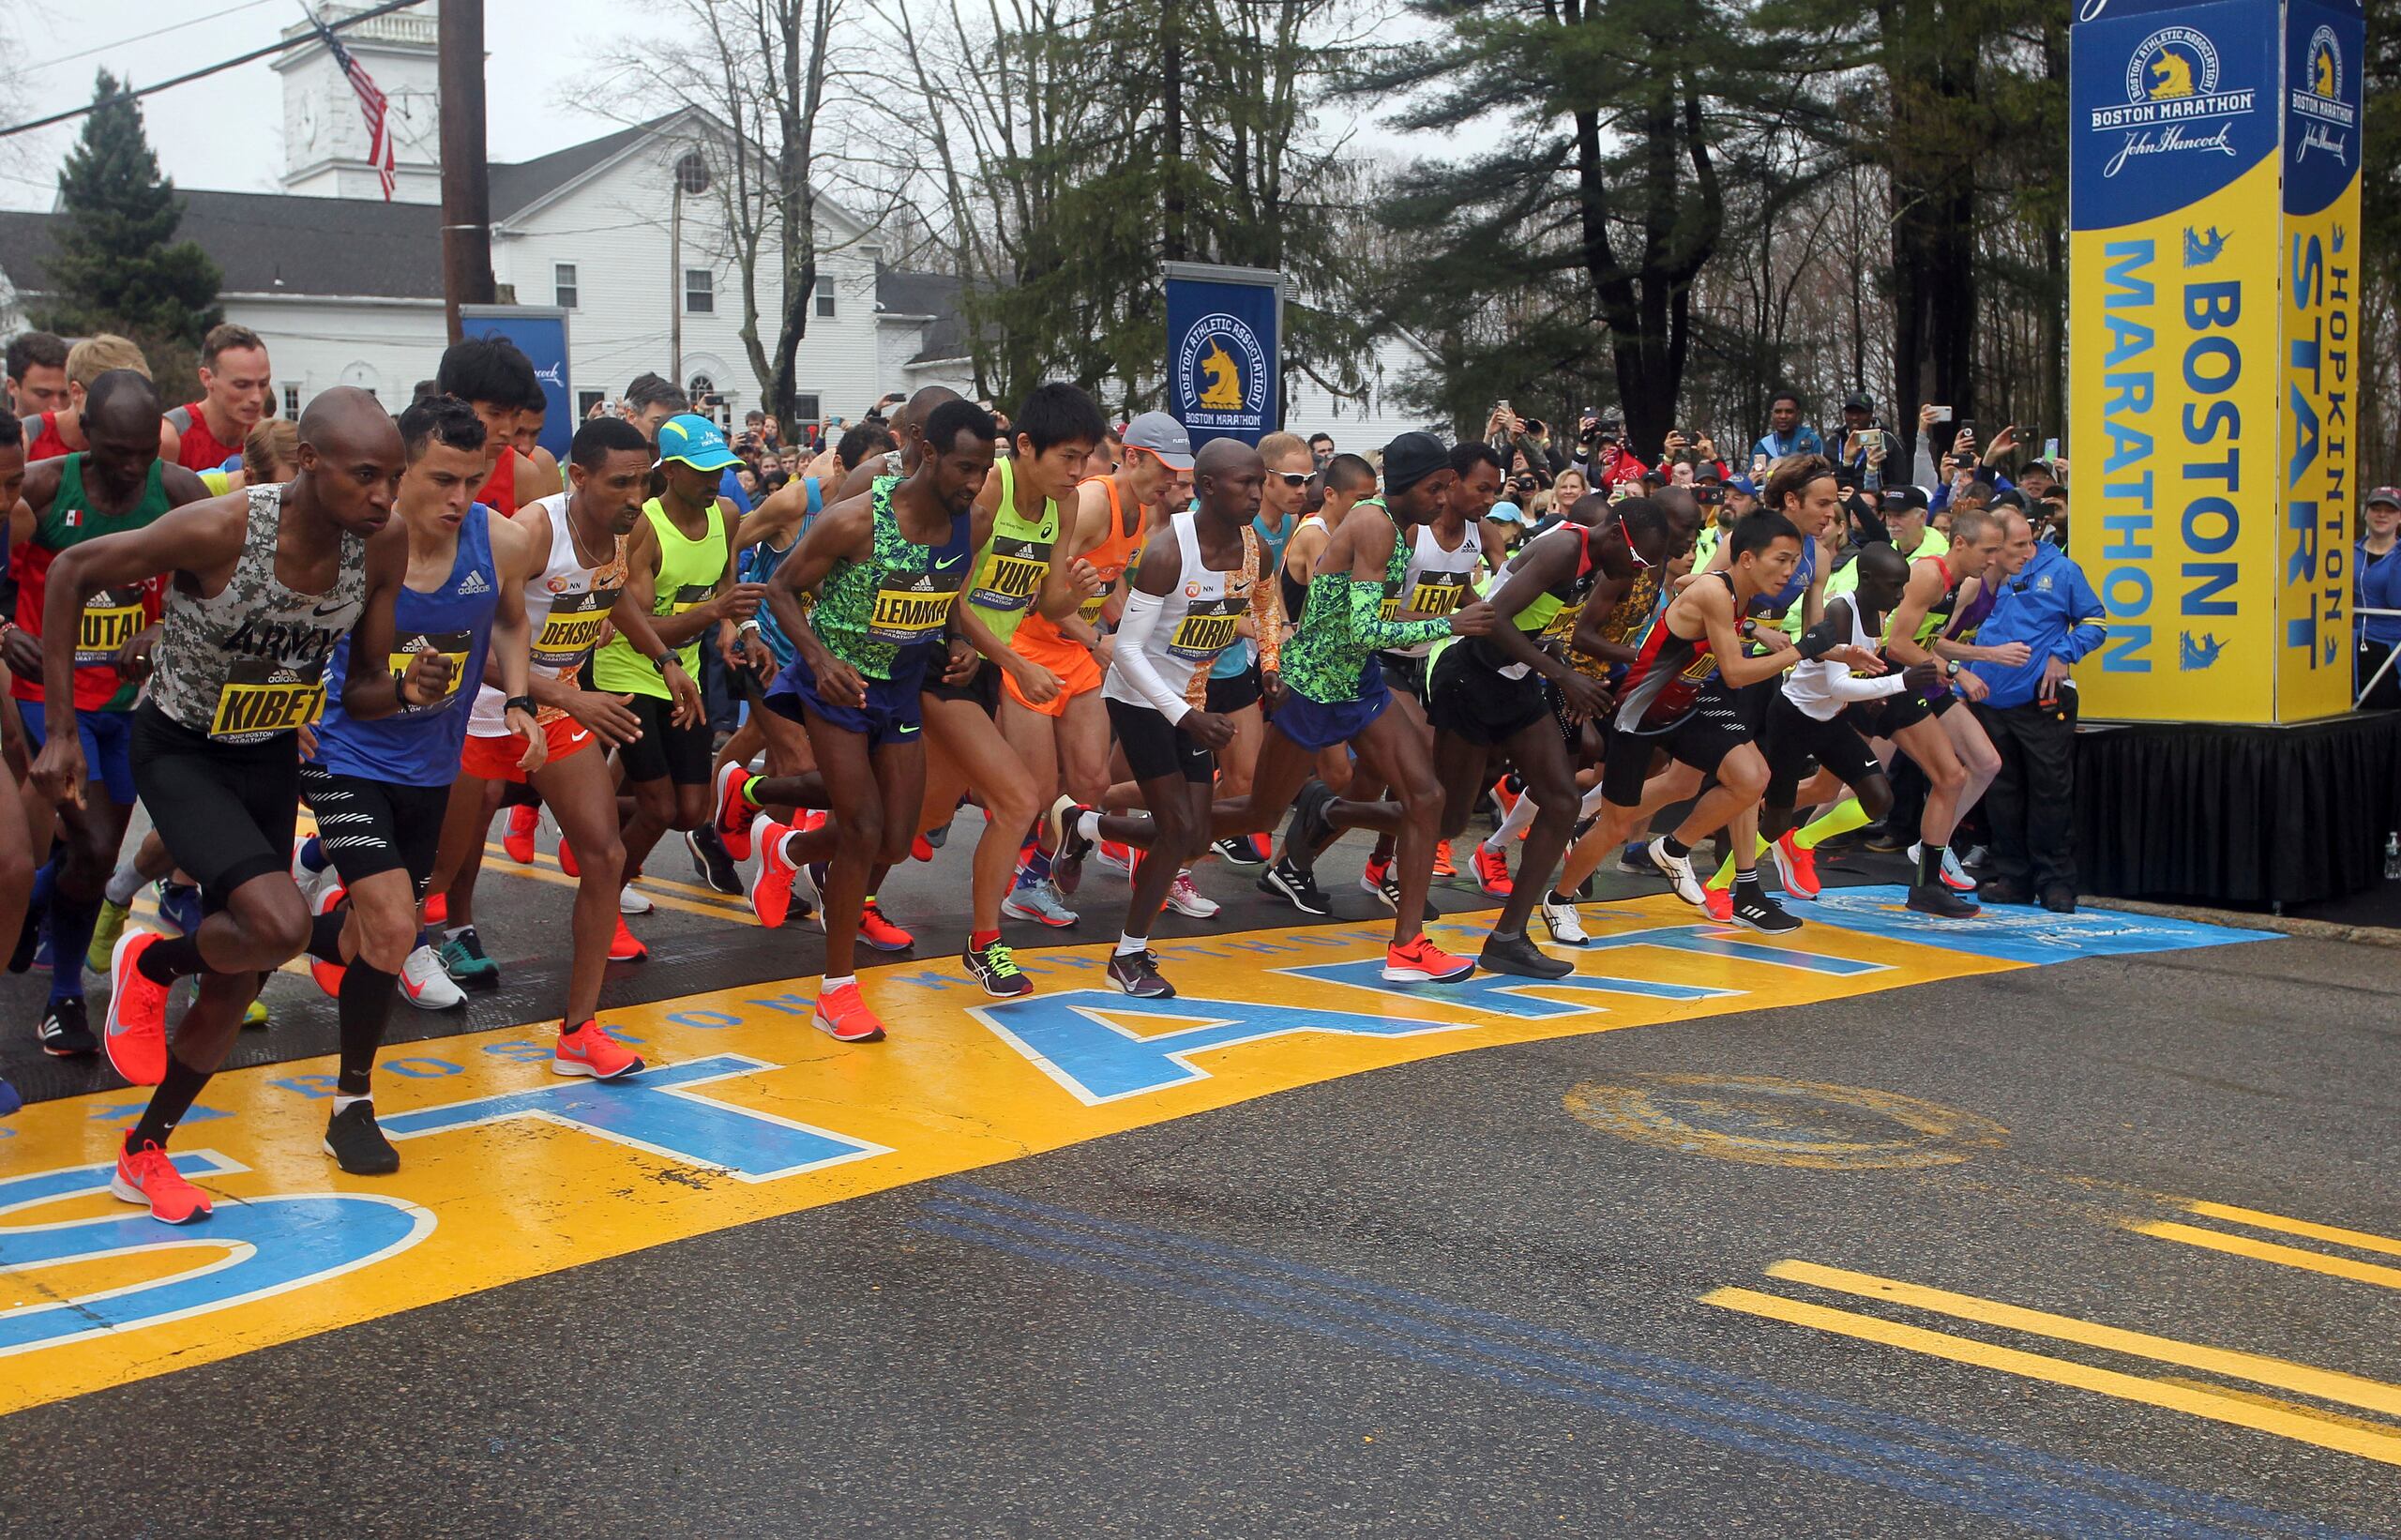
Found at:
[109, 926]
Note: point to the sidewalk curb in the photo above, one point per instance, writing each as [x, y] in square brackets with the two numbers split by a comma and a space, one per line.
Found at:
[2363, 935]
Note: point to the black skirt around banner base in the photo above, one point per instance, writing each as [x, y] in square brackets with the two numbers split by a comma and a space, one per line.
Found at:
[2206, 814]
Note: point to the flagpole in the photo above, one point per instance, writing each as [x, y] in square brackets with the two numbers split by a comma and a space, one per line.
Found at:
[466, 185]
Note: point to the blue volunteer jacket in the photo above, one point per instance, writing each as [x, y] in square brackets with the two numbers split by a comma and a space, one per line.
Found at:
[2052, 609]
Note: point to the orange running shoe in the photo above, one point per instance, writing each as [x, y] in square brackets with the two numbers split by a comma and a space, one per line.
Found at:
[771, 887]
[328, 974]
[1797, 865]
[146, 1176]
[1442, 867]
[1718, 904]
[1491, 871]
[625, 946]
[437, 909]
[843, 1016]
[590, 1050]
[733, 810]
[882, 934]
[1506, 797]
[567, 860]
[518, 842]
[136, 1037]
[1418, 961]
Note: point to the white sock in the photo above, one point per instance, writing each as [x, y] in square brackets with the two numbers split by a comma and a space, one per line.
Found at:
[123, 884]
[1132, 944]
[1521, 817]
[1088, 825]
[832, 984]
[1589, 805]
[453, 932]
[342, 1104]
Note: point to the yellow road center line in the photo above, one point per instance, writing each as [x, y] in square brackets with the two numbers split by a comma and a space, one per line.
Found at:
[723, 908]
[2298, 1409]
[2268, 1251]
[2302, 1379]
[2385, 1448]
[2334, 1235]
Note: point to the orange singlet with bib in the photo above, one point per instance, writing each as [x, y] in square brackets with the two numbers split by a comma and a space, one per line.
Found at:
[1038, 640]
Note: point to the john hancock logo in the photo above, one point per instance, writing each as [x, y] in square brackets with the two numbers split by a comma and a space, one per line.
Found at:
[2317, 98]
[1223, 371]
[2173, 100]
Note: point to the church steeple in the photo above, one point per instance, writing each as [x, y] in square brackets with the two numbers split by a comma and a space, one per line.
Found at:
[324, 139]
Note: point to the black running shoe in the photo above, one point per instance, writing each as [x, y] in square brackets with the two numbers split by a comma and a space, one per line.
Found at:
[357, 1145]
[938, 837]
[1936, 898]
[64, 1033]
[1137, 975]
[1755, 910]
[1295, 886]
[993, 967]
[711, 859]
[1519, 954]
[1237, 850]
[1068, 864]
[1309, 831]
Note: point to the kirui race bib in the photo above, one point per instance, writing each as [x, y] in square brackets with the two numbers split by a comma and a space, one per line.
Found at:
[1206, 629]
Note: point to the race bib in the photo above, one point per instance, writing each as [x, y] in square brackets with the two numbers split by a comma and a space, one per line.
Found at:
[687, 598]
[1207, 630]
[261, 698]
[450, 645]
[1012, 575]
[1561, 628]
[111, 618]
[908, 612]
[572, 630]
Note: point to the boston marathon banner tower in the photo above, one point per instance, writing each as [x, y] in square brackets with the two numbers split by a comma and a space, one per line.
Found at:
[2212, 308]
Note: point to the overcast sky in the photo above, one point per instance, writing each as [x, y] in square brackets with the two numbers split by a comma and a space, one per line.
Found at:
[227, 132]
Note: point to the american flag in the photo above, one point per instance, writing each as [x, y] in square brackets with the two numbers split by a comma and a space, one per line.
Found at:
[372, 105]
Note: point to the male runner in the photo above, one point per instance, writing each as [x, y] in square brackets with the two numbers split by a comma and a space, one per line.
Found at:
[37, 376]
[379, 787]
[118, 484]
[1188, 594]
[59, 430]
[577, 587]
[679, 569]
[234, 385]
[265, 582]
[490, 374]
[1065, 742]
[1013, 577]
[1335, 694]
[1679, 695]
[1507, 694]
[886, 570]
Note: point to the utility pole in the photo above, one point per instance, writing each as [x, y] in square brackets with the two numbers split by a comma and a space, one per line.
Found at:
[1172, 108]
[466, 185]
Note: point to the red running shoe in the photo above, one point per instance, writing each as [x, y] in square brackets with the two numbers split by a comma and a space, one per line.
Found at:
[566, 861]
[1506, 797]
[328, 974]
[1796, 866]
[882, 934]
[437, 909]
[771, 886]
[1442, 867]
[921, 849]
[590, 1050]
[733, 810]
[1491, 871]
[1718, 904]
[518, 842]
[625, 946]
[147, 1177]
[136, 1037]
[1420, 961]
[843, 1015]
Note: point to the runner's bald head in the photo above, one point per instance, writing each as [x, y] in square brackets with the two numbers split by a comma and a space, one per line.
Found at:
[345, 423]
[123, 398]
[1219, 456]
[919, 408]
[1882, 563]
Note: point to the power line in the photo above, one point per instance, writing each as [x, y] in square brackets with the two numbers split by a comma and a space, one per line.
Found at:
[276, 47]
[142, 38]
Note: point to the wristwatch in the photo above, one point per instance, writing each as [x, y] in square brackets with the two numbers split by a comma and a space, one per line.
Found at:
[520, 702]
[1951, 670]
[671, 657]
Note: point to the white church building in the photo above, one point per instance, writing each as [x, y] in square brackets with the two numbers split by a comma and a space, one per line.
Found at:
[623, 233]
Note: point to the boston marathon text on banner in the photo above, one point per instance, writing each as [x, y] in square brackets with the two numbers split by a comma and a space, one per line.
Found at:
[2211, 309]
[1224, 326]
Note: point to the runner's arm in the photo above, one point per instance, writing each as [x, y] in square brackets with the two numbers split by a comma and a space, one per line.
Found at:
[1266, 615]
[1162, 568]
[631, 614]
[1366, 583]
[369, 690]
[1717, 606]
[182, 486]
[1900, 632]
[845, 532]
[1549, 561]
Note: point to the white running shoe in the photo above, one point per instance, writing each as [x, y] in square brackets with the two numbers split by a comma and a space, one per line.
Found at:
[1565, 926]
[1955, 876]
[1038, 902]
[1678, 871]
[1185, 898]
[426, 984]
[632, 900]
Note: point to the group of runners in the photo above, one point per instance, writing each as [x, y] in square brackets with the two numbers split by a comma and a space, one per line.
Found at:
[1110, 649]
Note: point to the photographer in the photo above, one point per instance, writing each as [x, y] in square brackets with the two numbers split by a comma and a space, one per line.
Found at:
[1601, 452]
[1787, 435]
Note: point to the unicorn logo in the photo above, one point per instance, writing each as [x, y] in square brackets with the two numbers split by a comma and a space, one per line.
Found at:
[2197, 652]
[1225, 379]
[2171, 75]
[2202, 250]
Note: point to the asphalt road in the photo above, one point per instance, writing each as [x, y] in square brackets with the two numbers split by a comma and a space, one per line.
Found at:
[1509, 1292]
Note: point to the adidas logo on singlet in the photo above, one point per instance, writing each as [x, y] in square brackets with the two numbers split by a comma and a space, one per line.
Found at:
[475, 584]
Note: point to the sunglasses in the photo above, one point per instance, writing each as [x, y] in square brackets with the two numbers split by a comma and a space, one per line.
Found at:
[1294, 479]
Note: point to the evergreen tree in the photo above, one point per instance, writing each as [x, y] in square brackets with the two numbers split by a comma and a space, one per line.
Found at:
[118, 266]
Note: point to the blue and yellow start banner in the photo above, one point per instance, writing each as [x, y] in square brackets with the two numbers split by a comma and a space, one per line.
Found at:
[2215, 196]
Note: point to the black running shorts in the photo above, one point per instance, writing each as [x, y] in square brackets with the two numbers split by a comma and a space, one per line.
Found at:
[1156, 747]
[1711, 731]
[983, 687]
[1796, 741]
[682, 755]
[226, 811]
[371, 826]
[1472, 702]
[1235, 692]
